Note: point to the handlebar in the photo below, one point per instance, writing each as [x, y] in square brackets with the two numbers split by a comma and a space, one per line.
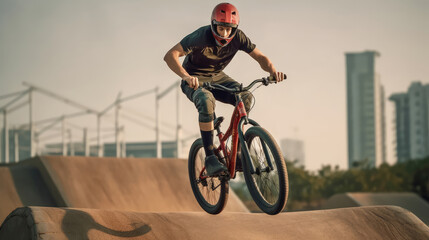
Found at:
[265, 81]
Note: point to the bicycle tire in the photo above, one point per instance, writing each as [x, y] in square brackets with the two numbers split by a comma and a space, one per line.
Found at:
[212, 201]
[270, 202]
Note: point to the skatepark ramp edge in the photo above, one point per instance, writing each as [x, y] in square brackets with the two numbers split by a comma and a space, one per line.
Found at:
[381, 222]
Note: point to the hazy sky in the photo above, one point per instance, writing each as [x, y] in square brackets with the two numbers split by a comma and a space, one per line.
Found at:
[90, 50]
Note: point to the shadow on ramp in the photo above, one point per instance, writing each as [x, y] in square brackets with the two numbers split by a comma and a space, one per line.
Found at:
[82, 223]
[70, 224]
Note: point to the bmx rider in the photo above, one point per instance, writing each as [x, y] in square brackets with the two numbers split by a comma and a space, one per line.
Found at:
[208, 51]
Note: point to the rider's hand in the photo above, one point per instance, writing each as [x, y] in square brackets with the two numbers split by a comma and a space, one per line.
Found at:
[279, 76]
[192, 82]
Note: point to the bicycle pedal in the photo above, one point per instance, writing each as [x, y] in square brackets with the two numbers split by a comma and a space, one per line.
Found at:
[217, 122]
[204, 183]
[224, 177]
[220, 175]
[217, 174]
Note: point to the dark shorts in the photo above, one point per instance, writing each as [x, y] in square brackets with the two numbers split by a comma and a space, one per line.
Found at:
[205, 100]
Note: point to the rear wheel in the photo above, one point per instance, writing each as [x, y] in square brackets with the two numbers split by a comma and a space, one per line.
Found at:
[210, 192]
[268, 185]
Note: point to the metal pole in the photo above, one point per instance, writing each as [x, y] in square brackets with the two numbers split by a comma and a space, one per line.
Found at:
[158, 139]
[70, 142]
[14, 100]
[63, 133]
[117, 130]
[6, 137]
[179, 126]
[16, 144]
[59, 97]
[30, 103]
[36, 142]
[85, 142]
[158, 97]
[124, 146]
[99, 148]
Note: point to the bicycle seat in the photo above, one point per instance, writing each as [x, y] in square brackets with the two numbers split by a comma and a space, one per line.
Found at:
[217, 122]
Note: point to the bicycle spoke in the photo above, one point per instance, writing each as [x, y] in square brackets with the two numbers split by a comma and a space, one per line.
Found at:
[266, 182]
[210, 195]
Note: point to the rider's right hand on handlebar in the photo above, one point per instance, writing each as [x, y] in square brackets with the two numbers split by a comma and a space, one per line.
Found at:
[192, 82]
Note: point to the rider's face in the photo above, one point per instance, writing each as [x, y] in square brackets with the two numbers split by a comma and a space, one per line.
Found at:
[224, 31]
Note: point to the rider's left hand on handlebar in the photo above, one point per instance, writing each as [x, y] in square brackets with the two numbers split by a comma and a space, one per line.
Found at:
[279, 76]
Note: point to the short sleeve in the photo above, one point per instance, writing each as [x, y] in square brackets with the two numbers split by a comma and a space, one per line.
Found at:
[191, 41]
[245, 43]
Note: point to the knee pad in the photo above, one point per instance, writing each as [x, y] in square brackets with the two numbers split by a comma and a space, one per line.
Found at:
[205, 103]
[247, 100]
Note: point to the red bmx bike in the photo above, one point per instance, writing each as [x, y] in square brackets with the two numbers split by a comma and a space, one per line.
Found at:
[264, 168]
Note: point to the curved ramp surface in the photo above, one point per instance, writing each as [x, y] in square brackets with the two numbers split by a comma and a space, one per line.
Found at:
[384, 222]
[9, 198]
[409, 201]
[25, 184]
[127, 184]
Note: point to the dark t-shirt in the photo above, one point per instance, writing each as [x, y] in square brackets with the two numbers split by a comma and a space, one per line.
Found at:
[205, 58]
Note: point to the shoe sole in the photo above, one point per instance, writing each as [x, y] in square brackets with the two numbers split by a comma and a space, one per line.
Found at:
[218, 174]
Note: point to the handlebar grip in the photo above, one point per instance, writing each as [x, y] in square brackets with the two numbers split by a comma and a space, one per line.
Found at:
[273, 79]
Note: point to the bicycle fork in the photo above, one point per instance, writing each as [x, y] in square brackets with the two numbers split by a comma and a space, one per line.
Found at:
[245, 148]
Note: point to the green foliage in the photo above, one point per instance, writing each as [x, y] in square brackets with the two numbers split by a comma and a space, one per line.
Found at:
[308, 190]
[313, 189]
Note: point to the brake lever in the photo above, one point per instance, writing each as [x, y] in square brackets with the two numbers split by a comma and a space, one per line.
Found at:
[265, 81]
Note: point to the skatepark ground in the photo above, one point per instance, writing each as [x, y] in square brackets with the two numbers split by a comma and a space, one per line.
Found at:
[53, 197]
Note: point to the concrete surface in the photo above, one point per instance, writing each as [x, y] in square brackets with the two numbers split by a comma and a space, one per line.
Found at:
[383, 222]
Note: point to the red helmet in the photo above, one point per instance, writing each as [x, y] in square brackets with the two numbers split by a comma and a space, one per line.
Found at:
[224, 14]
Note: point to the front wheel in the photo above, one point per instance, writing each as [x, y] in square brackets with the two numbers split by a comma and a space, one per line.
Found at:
[210, 192]
[268, 185]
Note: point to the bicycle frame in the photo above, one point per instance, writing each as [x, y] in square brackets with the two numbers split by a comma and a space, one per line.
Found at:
[259, 155]
[238, 119]
[235, 126]
[235, 129]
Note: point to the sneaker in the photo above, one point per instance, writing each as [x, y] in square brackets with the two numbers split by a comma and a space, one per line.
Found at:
[213, 166]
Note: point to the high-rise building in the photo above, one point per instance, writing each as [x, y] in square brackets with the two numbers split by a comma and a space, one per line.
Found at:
[293, 150]
[412, 122]
[365, 111]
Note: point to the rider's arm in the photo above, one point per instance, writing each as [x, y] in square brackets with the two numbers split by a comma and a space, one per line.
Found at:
[172, 60]
[266, 64]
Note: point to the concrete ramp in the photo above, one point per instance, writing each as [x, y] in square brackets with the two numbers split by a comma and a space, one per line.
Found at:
[409, 201]
[9, 198]
[128, 184]
[383, 222]
[26, 184]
